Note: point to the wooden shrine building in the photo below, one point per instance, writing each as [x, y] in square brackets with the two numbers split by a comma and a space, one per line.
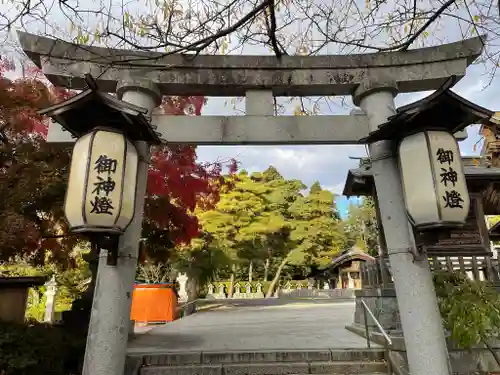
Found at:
[344, 271]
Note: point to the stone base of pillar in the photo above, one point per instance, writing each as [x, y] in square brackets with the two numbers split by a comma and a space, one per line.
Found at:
[383, 304]
[131, 327]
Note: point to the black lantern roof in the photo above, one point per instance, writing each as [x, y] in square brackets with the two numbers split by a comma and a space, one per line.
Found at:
[442, 110]
[91, 108]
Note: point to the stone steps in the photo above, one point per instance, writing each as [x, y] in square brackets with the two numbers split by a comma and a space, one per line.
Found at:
[270, 368]
[269, 362]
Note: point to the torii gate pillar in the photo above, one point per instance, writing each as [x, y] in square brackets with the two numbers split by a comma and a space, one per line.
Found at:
[420, 317]
[107, 337]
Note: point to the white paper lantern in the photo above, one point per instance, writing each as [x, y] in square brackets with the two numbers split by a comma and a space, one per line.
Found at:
[433, 180]
[100, 196]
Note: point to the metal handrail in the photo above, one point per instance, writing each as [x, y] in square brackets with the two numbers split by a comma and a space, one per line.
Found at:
[377, 323]
[387, 339]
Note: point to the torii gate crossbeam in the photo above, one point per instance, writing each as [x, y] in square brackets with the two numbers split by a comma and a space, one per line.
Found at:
[413, 70]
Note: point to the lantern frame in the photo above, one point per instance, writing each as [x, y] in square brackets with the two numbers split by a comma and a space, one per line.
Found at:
[459, 167]
[91, 229]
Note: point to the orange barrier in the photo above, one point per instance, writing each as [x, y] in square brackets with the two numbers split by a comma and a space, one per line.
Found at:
[154, 303]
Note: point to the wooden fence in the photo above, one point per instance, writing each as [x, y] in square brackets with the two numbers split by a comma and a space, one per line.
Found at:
[377, 274]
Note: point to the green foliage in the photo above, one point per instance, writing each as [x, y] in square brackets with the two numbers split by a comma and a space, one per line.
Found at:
[35, 309]
[39, 349]
[361, 226]
[315, 188]
[470, 309]
[492, 220]
[72, 282]
[316, 228]
[250, 221]
[201, 259]
[265, 219]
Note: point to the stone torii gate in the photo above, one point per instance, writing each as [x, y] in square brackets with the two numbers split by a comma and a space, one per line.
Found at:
[373, 80]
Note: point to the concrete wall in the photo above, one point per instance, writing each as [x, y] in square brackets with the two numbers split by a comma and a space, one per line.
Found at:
[318, 293]
[13, 304]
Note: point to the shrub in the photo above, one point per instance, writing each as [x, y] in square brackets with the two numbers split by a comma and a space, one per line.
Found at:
[470, 310]
[34, 348]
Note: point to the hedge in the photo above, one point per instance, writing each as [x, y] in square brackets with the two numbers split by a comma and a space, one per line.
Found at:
[27, 349]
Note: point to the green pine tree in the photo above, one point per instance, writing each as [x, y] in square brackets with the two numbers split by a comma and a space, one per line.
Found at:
[361, 226]
[316, 231]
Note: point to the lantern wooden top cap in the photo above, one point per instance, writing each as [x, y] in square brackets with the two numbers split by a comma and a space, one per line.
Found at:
[92, 108]
[442, 110]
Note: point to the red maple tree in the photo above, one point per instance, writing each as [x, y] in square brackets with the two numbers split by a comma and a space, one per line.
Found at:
[33, 176]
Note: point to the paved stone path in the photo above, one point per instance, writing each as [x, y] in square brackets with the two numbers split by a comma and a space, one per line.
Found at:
[303, 325]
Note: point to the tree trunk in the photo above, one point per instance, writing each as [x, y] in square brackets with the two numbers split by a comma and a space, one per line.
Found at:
[250, 272]
[231, 282]
[282, 265]
[266, 269]
[492, 351]
[193, 291]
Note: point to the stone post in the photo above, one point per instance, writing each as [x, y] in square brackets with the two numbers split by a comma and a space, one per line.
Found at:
[221, 294]
[50, 303]
[182, 279]
[259, 293]
[420, 317]
[310, 283]
[110, 318]
[237, 291]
